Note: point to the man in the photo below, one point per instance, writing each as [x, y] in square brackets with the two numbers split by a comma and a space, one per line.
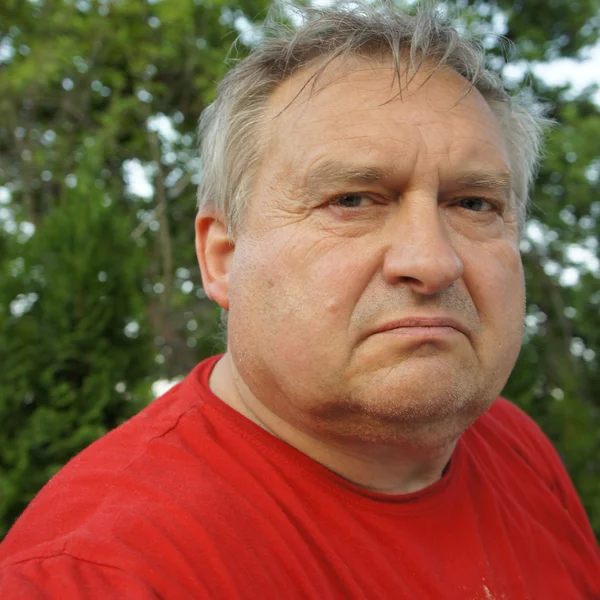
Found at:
[364, 186]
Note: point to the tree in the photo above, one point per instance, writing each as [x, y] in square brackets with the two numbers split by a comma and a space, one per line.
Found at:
[558, 373]
[97, 281]
[74, 363]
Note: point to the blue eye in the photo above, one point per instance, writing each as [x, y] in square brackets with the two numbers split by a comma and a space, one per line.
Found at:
[476, 204]
[352, 200]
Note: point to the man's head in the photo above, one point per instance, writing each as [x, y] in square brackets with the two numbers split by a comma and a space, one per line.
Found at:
[366, 245]
[232, 128]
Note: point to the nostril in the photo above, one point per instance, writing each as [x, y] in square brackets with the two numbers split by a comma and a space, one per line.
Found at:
[409, 280]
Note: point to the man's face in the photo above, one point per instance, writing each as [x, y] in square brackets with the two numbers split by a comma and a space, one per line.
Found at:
[376, 288]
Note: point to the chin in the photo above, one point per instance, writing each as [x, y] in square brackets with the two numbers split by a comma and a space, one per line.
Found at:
[425, 411]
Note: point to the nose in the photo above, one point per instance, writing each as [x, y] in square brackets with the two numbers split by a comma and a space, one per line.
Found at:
[420, 253]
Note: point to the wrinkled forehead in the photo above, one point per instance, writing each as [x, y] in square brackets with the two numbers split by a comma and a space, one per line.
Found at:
[362, 102]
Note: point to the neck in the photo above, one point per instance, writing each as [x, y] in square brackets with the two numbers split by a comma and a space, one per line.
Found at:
[384, 467]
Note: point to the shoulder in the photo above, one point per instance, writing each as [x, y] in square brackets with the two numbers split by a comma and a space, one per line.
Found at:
[133, 473]
[157, 502]
[516, 450]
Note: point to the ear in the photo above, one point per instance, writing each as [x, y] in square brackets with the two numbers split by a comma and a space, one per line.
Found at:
[214, 249]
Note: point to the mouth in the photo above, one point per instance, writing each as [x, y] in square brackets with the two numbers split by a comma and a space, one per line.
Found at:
[423, 327]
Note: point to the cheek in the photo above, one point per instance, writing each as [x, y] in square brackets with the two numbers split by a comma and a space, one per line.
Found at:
[293, 297]
[496, 284]
[317, 274]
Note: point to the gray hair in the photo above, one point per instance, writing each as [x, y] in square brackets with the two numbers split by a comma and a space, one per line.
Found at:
[230, 128]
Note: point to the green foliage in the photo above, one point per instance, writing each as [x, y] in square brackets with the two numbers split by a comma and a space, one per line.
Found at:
[557, 376]
[549, 29]
[73, 364]
[99, 290]
[99, 301]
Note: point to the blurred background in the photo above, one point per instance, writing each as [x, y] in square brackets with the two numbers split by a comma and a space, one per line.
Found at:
[101, 303]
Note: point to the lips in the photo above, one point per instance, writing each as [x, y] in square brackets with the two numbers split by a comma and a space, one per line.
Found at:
[417, 325]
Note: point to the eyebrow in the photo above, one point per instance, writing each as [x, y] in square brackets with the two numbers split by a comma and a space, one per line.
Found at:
[330, 172]
[333, 172]
[500, 181]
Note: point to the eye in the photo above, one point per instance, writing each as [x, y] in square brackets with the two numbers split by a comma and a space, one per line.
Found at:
[476, 204]
[353, 200]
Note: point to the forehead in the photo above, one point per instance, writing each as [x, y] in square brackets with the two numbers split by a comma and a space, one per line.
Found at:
[357, 112]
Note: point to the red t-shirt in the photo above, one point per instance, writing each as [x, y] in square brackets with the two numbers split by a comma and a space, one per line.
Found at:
[191, 500]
